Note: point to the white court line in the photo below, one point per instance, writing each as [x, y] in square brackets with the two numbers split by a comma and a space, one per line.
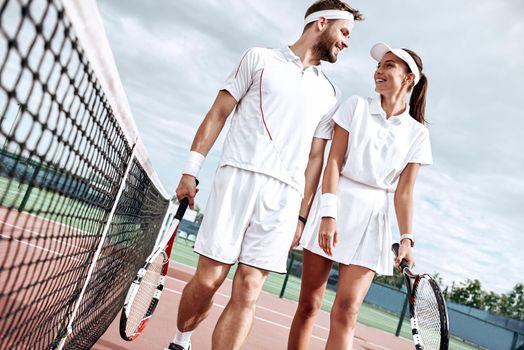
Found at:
[46, 219]
[38, 247]
[275, 323]
[55, 222]
[39, 235]
[256, 317]
[258, 306]
[177, 262]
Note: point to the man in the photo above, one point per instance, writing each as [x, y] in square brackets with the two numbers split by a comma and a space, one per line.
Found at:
[268, 172]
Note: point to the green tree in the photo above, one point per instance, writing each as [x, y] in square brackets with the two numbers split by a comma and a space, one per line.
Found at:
[468, 293]
[491, 302]
[439, 280]
[397, 280]
[199, 216]
[516, 300]
[504, 307]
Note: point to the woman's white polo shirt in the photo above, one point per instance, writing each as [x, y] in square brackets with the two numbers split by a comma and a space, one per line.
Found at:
[380, 148]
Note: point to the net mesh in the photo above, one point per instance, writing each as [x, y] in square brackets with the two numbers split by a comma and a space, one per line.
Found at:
[63, 156]
[427, 314]
[142, 301]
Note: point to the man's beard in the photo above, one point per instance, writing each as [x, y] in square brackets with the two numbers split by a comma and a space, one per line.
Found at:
[324, 48]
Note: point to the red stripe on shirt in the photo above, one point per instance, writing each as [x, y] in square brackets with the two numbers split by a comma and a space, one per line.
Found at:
[241, 60]
[261, 109]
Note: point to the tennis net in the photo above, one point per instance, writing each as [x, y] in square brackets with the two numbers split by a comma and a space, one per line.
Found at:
[80, 205]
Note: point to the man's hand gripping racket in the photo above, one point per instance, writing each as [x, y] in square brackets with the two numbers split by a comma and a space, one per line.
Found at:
[144, 293]
[427, 309]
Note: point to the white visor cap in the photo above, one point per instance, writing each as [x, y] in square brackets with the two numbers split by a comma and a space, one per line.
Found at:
[380, 49]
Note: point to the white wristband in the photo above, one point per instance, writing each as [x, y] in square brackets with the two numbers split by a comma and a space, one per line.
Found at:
[407, 236]
[193, 164]
[328, 205]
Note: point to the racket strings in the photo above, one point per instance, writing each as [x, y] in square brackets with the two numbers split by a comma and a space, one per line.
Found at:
[428, 315]
[142, 301]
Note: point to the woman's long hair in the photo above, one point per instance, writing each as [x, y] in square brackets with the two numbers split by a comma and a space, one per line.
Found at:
[417, 102]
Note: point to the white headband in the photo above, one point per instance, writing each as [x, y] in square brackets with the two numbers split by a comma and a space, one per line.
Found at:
[380, 49]
[330, 14]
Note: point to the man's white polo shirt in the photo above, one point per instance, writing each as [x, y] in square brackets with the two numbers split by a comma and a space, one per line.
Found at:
[281, 107]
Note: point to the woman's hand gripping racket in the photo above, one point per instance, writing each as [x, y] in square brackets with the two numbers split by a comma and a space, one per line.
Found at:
[144, 293]
[427, 309]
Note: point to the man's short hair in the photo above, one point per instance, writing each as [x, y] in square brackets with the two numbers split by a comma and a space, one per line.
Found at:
[321, 5]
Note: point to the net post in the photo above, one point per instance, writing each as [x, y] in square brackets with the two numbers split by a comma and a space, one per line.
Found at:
[29, 188]
[514, 343]
[282, 291]
[402, 316]
[69, 328]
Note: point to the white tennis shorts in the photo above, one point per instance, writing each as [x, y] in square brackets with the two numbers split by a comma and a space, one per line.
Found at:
[250, 218]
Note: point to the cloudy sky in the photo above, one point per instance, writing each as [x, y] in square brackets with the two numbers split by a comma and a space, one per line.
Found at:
[173, 56]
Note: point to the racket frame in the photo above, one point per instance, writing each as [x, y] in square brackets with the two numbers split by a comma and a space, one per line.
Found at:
[133, 291]
[164, 247]
[412, 280]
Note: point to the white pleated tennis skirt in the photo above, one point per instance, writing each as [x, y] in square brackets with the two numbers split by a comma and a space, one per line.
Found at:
[364, 232]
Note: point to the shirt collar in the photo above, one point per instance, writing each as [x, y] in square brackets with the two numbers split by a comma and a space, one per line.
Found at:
[376, 108]
[291, 57]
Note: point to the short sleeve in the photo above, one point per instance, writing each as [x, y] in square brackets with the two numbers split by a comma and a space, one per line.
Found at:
[325, 127]
[344, 114]
[422, 150]
[241, 78]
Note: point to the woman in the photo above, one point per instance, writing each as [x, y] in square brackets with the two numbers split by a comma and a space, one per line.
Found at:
[378, 146]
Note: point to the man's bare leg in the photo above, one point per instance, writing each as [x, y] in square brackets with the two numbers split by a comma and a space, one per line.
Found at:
[236, 320]
[197, 296]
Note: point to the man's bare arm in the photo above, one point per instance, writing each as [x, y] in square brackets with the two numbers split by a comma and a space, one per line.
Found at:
[313, 171]
[205, 138]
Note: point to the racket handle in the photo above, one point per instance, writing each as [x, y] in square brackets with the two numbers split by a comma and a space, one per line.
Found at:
[184, 203]
[403, 263]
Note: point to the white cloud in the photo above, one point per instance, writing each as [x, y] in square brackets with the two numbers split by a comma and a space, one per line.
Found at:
[465, 233]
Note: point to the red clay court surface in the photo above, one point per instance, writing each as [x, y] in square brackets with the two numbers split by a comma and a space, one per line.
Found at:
[270, 329]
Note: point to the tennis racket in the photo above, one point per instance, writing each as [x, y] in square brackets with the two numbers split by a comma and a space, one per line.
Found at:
[144, 293]
[427, 309]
